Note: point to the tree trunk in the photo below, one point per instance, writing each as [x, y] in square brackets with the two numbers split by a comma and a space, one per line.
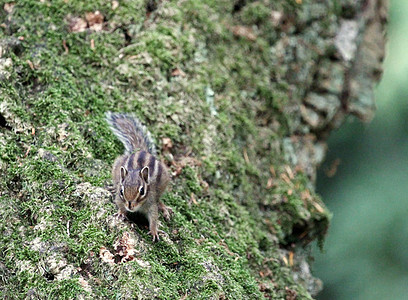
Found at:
[240, 97]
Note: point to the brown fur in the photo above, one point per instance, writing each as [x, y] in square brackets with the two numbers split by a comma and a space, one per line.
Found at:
[139, 179]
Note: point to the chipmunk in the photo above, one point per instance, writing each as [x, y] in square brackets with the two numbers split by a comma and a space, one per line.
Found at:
[139, 178]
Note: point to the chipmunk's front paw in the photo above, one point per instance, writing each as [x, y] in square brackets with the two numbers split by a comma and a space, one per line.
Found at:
[167, 214]
[167, 211]
[155, 234]
[120, 216]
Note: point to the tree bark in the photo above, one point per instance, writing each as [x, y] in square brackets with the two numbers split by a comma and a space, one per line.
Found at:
[240, 97]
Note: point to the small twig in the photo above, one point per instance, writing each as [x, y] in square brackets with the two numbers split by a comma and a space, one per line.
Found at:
[28, 151]
[246, 156]
[30, 64]
[64, 44]
[68, 228]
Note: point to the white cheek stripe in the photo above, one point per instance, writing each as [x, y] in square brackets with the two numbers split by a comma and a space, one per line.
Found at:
[155, 170]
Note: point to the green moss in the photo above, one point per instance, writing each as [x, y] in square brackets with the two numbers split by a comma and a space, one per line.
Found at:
[255, 13]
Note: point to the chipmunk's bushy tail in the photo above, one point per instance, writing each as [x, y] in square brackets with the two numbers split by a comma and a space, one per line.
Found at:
[133, 134]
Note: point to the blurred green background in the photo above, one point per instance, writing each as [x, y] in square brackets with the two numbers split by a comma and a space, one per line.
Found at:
[366, 251]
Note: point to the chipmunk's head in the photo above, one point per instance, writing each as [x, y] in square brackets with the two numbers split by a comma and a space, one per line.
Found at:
[134, 186]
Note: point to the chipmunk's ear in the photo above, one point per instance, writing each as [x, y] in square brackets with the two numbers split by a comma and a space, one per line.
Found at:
[123, 173]
[144, 173]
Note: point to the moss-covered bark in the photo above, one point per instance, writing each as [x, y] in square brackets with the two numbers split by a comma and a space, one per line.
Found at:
[238, 95]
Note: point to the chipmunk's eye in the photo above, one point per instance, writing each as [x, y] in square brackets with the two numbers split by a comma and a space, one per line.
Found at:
[141, 191]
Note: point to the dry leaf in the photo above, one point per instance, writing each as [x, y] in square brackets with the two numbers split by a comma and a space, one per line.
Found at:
[291, 258]
[318, 207]
[272, 170]
[167, 144]
[270, 183]
[285, 178]
[285, 260]
[332, 170]
[178, 72]
[289, 172]
[95, 20]
[115, 4]
[125, 248]
[124, 251]
[30, 64]
[192, 199]
[77, 24]
[276, 17]
[8, 7]
[243, 31]
[106, 256]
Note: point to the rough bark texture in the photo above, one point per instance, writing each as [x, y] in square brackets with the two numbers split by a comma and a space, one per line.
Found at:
[240, 97]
